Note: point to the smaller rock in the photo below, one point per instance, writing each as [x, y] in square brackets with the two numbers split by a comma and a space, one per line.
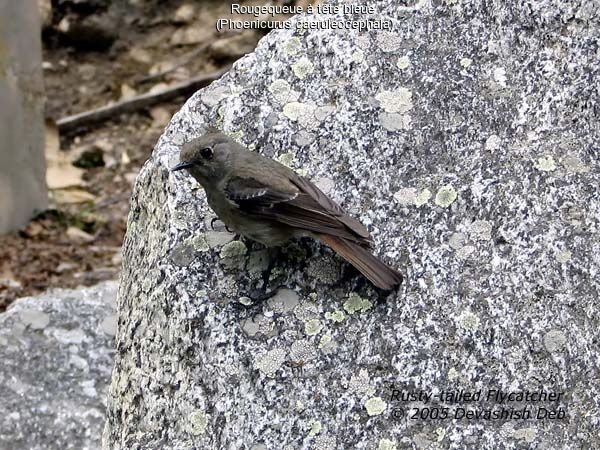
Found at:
[77, 235]
[140, 55]
[191, 35]
[65, 267]
[184, 14]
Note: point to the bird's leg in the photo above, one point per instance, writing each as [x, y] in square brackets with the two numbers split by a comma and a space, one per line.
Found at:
[264, 293]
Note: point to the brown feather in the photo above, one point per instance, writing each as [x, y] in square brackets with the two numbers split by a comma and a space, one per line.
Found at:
[305, 211]
[380, 274]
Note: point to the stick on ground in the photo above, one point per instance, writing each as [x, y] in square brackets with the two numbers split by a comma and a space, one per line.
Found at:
[138, 102]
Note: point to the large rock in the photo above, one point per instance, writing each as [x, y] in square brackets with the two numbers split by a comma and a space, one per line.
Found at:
[57, 352]
[22, 165]
[466, 139]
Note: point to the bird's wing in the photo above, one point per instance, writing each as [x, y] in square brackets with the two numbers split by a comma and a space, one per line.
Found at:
[321, 198]
[251, 193]
[307, 208]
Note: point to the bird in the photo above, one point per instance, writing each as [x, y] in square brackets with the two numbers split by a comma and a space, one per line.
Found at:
[268, 202]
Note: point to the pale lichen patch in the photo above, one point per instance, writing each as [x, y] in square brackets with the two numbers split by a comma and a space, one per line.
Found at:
[358, 56]
[246, 301]
[555, 341]
[398, 101]
[335, 316]
[325, 340]
[466, 62]
[457, 240]
[361, 383]
[312, 327]
[481, 230]
[303, 113]
[499, 75]
[526, 434]
[469, 321]
[292, 46]
[200, 243]
[218, 238]
[445, 196]
[465, 252]
[282, 91]
[306, 311]
[563, 256]
[386, 444]
[269, 362]
[356, 303]
[303, 68]
[573, 164]
[403, 62]
[406, 196]
[546, 164]
[388, 41]
[395, 121]
[493, 142]
[293, 110]
[315, 427]
[287, 159]
[198, 422]
[375, 406]
[452, 374]
[285, 300]
[234, 249]
[302, 351]
[322, 112]
[423, 197]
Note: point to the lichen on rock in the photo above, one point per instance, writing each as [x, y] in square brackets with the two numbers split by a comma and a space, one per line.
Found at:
[474, 180]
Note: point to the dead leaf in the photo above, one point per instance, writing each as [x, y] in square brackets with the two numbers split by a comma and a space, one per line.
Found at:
[127, 92]
[60, 173]
[73, 195]
[77, 235]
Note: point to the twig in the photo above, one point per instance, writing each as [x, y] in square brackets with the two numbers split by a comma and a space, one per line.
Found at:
[138, 102]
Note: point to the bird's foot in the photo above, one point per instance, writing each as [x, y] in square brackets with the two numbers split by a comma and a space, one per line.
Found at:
[216, 219]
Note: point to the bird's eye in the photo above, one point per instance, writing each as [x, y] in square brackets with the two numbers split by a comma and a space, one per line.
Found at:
[206, 153]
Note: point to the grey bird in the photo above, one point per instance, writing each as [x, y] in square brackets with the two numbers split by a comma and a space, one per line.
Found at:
[268, 202]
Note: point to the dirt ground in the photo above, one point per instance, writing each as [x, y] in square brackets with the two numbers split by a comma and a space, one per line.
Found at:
[96, 52]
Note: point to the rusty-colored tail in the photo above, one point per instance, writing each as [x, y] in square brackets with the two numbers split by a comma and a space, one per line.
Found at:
[380, 274]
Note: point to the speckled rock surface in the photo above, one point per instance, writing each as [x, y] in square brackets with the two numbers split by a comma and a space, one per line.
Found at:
[466, 139]
[57, 352]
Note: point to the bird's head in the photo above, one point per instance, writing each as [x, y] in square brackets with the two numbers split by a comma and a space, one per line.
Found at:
[207, 158]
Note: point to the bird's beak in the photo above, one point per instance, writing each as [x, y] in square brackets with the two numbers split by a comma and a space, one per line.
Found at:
[182, 165]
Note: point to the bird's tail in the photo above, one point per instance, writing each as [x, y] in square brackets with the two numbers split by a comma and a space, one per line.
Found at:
[380, 274]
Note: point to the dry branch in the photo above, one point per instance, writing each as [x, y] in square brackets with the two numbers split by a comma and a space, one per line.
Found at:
[70, 123]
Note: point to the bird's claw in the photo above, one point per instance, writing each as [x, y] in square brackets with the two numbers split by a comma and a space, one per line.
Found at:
[215, 219]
